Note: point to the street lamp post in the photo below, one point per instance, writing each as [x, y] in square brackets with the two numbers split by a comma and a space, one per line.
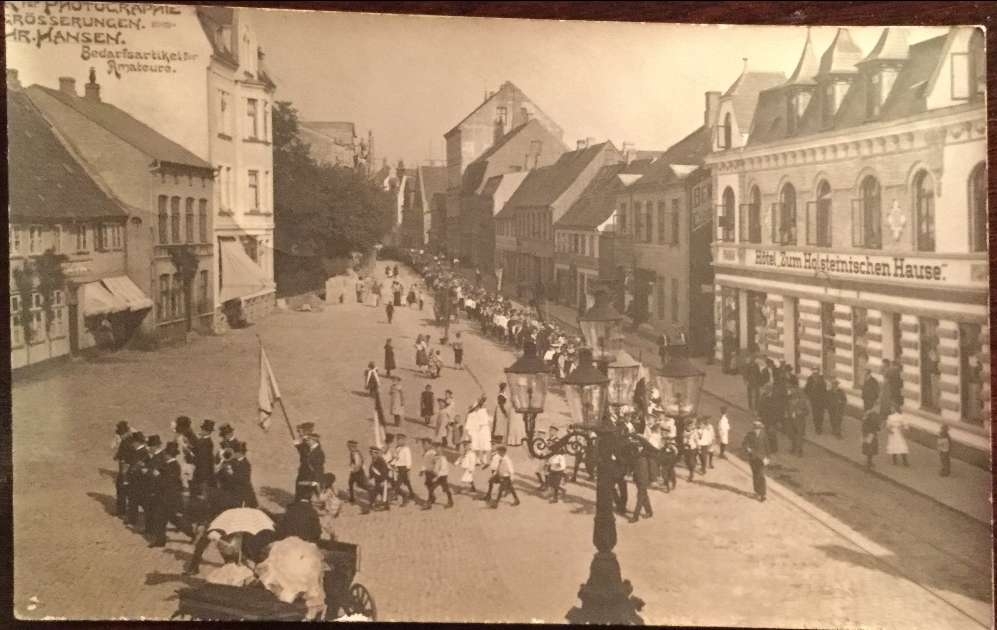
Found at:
[680, 383]
[527, 380]
[606, 597]
[600, 326]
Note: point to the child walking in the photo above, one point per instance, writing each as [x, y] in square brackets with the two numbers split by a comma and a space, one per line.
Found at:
[467, 462]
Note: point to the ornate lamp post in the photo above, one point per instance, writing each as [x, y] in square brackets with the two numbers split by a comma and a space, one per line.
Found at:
[601, 328]
[680, 383]
[606, 597]
[527, 379]
[623, 373]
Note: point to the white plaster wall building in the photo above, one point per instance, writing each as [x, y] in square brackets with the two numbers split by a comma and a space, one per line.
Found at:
[852, 225]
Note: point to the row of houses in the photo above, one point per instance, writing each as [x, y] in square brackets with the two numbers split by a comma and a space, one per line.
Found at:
[831, 219]
[126, 227]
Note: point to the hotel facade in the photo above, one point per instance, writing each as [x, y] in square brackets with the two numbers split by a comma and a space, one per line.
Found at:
[852, 226]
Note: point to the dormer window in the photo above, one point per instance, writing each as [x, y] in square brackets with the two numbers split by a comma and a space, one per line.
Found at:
[873, 95]
[969, 78]
[828, 105]
[501, 116]
[725, 133]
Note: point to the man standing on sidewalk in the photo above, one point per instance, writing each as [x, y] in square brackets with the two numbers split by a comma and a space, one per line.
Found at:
[754, 446]
[836, 403]
[870, 391]
[816, 390]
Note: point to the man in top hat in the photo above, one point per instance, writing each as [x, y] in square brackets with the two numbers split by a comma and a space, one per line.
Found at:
[153, 491]
[357, 476]
[124, 456]
[228, 441]
[311, 457]
[136, 478]
[204, 458]
[237, 477]
[379, 474]
[756, 447]
[168, 496]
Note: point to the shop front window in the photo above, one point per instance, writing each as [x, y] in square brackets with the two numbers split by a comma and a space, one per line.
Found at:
[827, 337]
[731, 328]
[971, 372]
[931, 368]
[757, 322]
[860, 341]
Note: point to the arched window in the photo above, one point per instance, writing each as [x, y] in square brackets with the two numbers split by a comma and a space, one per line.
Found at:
[755, 215]
[978, 208]
[977, 65]
[819, 217]
[784, 217]
[867, 215]
[727, 132]
[727, 216]
[924, 211]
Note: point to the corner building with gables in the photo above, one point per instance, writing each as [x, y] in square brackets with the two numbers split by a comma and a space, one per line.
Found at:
[852, 226]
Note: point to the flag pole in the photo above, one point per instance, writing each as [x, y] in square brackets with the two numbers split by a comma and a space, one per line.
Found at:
[280, 400]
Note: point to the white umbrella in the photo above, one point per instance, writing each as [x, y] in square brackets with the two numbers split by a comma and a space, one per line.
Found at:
[248, 520]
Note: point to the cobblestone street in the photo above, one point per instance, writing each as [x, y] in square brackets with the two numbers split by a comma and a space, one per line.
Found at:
[832, 546]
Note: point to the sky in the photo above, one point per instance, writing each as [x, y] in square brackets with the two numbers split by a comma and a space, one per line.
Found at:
[412, 78]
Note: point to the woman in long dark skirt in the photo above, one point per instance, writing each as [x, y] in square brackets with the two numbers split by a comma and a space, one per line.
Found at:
[389, 357]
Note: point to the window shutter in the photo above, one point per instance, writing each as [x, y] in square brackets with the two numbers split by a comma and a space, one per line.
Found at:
[812, 223]
[858, 224]
[775, 223]
[745, 208]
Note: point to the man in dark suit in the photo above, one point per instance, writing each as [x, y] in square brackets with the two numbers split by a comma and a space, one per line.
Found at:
[204, 458]
[311, 457]
[816, 390]
[169, 496]
[642, 479]
[427, 402]
[123, 455]
[136, 478]
[755, 446]
[152, 488]
[242, 476]
[301, 519]
[752, 382]
[870, 391]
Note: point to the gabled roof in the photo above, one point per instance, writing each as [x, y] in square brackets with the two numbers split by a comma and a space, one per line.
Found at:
[507, 85]
[910, 89]
[892, 46]
[841, 56]
[662, 173]
[598, 201]
[691, 149]
[743, 93]
[124, 126]
[432, 180]
[212, 18]
[544, 185]
[46, 182]
[807, 67]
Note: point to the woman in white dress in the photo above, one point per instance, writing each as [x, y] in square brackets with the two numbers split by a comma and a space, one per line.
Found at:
[896, 443]
[478, 427]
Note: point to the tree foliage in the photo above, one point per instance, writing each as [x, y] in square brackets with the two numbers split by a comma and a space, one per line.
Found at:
[325, 209]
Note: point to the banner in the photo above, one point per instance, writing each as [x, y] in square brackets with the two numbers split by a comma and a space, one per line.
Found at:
[269, 392]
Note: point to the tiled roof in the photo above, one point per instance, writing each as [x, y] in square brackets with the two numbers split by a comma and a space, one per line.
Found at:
[841, 56]
[907, 96]
[46, 183]
[691, 149]
[745, 90]
[544, 185]
[475, 171]
[598, 200]
[125, 126]
[662, 172]
[806, 68]
[212, 18]
[892, 46]
[506, 85]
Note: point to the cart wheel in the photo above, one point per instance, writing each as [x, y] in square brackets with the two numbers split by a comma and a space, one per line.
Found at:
[362, 602]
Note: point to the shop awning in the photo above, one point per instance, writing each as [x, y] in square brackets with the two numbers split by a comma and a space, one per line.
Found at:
[241, 277]
[112, 295]
[122, 287]
[97, 300]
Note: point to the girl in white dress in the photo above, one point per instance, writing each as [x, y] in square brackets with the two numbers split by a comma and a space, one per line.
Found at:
[896, 443]
[467, 462]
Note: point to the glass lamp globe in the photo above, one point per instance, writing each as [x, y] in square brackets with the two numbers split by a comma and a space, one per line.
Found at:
[587, 392]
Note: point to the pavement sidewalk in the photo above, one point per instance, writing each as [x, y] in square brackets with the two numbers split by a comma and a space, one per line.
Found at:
[967, 490]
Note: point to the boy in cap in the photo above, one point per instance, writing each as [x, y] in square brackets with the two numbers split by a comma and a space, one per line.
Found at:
[556, 466]
[441, 477]
[428, 470]
[357, 478]
[505, 472]
[379, 478]
[311, 457]
[403, 464]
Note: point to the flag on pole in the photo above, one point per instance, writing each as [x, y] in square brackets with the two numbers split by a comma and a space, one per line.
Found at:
[269, 393]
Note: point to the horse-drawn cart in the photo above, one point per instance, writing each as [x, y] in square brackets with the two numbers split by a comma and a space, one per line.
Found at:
[255, 603]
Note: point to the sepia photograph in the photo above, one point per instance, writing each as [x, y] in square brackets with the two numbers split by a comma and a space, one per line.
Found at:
[333, 315]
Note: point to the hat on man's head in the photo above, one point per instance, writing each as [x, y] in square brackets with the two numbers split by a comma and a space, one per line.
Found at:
[154, 441]
[239, 447]
[757, 424]
[208, 425]
[400, 436]
[182, 422]
[138, 438]
[226, 429]
[122, 427]
[351, 442]
[306, 428]
[374, 449]
[172, 449]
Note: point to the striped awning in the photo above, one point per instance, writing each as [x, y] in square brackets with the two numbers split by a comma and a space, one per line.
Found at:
[112, 295]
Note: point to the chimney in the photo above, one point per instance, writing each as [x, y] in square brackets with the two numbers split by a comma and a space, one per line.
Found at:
[582, 144]
[628, 152]
[712, 109]
[590, 141]
[67, 85]
[92, 87]
[13, 83]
